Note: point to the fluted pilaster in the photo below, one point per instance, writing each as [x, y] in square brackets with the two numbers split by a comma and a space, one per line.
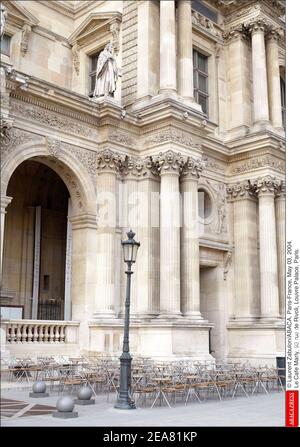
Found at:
[185, 50]
[169, 165]
[167, 46]
[245, 251]
[109, 163]
[266, 188]
[274, 78]
[190, 261]
[258, 29]
[280, 237]
[5, 201]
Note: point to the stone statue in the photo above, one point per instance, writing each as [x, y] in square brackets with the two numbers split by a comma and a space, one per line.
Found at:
[3, 19]
[107, 73]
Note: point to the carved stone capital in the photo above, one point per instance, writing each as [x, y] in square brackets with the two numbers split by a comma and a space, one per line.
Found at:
[192, 168]
[258, 25]
[138, 168]
[239, 191]
[235, 33]
[280, 193]
[266, 186]
[274, 34]
[169, 162]
[109, 161]
[5, 201]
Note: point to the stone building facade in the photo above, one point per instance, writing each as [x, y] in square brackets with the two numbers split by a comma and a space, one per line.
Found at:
[190, 153]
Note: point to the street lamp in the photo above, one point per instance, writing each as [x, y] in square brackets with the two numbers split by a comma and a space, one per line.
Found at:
[124, 402]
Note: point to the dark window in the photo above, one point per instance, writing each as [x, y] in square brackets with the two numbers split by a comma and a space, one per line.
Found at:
[200, 7]
[200, 63]
[5, 45]
[283, 100]
[46, 282]
[93, 72]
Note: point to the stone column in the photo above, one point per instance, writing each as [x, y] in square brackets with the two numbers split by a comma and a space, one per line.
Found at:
[68, 267]
[146, 224]
[259, 70]
[274, 79]
[240, 101]
[280, 237]
[190, 260]
[245, 251]
[269, 296]
[5, 201]
[108, 165]
[169, 165]
[37, 262]
[148, 49]
[185, 50]
[130, 207]
[167, 46]
[84, 273]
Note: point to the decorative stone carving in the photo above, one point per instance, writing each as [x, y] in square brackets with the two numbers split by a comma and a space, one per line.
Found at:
[122, 138]
[281, 191]
[76, 61]
[227, 262]
[52, 119]
[169, 162]
[266, 185]
[3, 20]
[6, 125]
[237, 32]
[274, 34]
[115, 30]
[54, 147]
[193, 167]
[138, 167]
[220, 194]
[257, 25]
[15, 138]
[242, 190]
[174, 136]
[110, 161]
[258, 162]
[25, 39]
[204, 22]
[86, 157]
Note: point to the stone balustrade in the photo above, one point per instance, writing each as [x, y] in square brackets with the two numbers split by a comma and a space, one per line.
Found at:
[40, 331]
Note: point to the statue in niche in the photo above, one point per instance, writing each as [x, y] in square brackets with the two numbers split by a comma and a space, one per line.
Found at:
[107, 73]
[3, 20]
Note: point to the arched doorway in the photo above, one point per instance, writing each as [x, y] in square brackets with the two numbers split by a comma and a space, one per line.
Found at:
[35, 240]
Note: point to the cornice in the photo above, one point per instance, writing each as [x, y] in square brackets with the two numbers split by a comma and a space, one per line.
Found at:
[63, 7]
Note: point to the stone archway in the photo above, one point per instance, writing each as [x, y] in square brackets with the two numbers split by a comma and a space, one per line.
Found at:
[81, 189]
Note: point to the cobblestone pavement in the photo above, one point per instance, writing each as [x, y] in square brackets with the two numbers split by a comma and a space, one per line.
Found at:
[259, 410]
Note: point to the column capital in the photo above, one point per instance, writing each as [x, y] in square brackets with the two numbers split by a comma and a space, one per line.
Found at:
[169, 162]
[110, 161]
[240, 191]
[5, 201]
[266, 186]
[235, 33]
[139, 168]
[280, 193]
[258, 25]
[192, 168]
[274, 34]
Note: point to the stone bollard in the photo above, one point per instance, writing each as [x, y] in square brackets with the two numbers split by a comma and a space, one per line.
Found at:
[84, 396]
[65, 406]
[39, 389]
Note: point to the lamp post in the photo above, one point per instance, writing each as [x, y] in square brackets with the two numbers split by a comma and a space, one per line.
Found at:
[124, 402]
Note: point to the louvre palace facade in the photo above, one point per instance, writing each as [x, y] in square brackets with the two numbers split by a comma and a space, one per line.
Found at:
[189, 152]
